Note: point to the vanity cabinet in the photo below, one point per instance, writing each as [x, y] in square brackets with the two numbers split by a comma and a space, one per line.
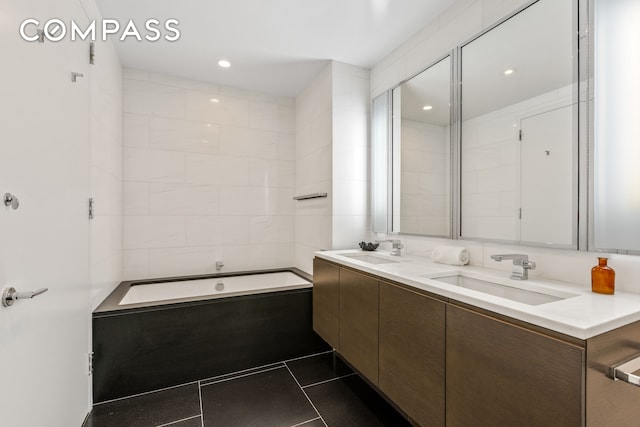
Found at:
[359, 322]
[392, 335]
[443, 362]
[326, 301]
[500, 374]
[412, 353]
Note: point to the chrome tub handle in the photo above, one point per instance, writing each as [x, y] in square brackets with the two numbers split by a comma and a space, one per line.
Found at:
[10, 295]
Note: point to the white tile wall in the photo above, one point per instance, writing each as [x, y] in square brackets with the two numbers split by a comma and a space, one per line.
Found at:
[219, 230]
[143, 97]
[181, 135]
[332, 122]
[228, 110]
[313, 140]
[205, 180]
[144, 165]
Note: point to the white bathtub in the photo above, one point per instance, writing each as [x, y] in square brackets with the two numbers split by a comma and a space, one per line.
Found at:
[139, 293]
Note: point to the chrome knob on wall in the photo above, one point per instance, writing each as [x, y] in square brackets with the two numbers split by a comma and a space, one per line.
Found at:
[11, 200]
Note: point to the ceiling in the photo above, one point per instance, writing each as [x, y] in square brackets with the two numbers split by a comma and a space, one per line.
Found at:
[274, 46]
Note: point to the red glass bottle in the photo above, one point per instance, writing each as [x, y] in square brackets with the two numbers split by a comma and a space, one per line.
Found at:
[603, 278]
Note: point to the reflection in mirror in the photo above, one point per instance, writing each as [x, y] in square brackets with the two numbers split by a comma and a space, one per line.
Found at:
[519, 129]
[422, 153]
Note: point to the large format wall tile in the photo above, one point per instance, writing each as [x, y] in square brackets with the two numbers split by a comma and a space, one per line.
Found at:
[208, 175]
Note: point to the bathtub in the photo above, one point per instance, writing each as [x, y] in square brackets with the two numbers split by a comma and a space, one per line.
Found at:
[211, 287]
[158, 333]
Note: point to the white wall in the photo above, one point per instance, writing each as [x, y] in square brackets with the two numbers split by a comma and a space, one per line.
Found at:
[350, 155]
[205, 180]
[453, 27]
[105, 230]
[332, 125]
[313, 168]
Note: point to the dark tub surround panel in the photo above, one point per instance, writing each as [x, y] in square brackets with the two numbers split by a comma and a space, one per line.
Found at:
[145, 349]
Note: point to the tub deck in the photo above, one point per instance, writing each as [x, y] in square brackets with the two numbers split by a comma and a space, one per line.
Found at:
[219, 287]
[133, 294]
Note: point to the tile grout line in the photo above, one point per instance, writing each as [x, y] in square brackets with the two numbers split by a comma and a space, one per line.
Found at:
[210, 380]
[307, 356]
[244, 375]
[308, 421]
[145, 393]
[328, 381]
[177, 421]
[200, 398]
[305, 395]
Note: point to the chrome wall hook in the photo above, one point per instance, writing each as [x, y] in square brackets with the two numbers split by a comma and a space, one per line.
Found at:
[11, 200]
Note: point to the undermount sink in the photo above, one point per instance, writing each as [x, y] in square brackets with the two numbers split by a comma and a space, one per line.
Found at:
[525, 296]
[371, 259]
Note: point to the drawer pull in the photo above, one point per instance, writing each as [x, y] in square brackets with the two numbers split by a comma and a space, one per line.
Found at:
[624, 371]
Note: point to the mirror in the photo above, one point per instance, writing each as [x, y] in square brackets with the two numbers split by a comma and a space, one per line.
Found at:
[519, 133]
[380, 163]
[616, 175]
[421, 152]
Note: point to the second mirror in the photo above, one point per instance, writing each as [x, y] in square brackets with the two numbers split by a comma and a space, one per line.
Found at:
[422, 153]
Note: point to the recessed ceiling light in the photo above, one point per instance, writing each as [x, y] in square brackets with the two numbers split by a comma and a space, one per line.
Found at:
[215, 101]
[224, 63]
[427, 107]
[509, 71]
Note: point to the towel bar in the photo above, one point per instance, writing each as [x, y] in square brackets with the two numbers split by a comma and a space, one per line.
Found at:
[310, 196]
[624, 371]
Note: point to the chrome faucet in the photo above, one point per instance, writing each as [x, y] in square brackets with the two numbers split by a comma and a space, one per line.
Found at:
[396, 245]
[521, 265]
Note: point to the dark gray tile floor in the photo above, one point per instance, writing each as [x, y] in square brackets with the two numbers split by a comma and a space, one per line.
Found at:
[315, 391]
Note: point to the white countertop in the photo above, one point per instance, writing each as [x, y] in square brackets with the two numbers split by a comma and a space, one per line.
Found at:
[582, 316]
